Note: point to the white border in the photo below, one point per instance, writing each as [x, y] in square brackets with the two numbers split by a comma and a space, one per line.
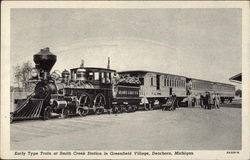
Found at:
[5, 67]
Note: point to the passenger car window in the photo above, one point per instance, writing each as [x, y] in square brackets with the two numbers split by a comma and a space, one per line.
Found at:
[152, 81]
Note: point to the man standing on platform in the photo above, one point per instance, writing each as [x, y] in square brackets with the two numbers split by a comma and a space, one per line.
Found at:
[208, 100]
[217, 101]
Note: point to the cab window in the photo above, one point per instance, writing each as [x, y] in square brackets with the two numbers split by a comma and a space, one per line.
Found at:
[91, 76]
[108, 77]
[96, 76]
[105, 77]
[102, 77]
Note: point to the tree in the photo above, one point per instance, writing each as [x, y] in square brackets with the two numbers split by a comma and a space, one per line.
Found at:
[26, 69]
[17, 75]
[238, 92]
[21, 74]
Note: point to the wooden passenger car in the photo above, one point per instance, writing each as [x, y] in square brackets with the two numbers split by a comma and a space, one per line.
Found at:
[157, 87]
[225, 91]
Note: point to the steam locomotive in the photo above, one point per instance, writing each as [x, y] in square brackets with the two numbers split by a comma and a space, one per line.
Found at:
[81, 91]
[89, 90]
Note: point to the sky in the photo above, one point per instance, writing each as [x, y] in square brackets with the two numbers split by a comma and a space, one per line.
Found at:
[197, 43]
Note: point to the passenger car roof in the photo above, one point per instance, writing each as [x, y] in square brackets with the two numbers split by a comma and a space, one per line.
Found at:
[145, 71]
[95, 69]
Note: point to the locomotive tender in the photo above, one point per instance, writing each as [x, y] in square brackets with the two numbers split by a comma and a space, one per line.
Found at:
[86, 90]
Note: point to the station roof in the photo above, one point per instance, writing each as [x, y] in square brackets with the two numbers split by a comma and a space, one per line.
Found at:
[237, 78]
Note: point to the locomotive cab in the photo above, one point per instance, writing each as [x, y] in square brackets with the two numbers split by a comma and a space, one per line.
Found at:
[96, 76]
[99, 76]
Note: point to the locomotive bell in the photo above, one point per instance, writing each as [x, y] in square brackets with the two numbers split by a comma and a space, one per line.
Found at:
[44, 59]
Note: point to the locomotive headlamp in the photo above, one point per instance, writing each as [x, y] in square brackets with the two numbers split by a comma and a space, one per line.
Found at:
[34, 72]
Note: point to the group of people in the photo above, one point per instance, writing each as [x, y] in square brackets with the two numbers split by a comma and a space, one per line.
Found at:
[171, 104]
[207, 100]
